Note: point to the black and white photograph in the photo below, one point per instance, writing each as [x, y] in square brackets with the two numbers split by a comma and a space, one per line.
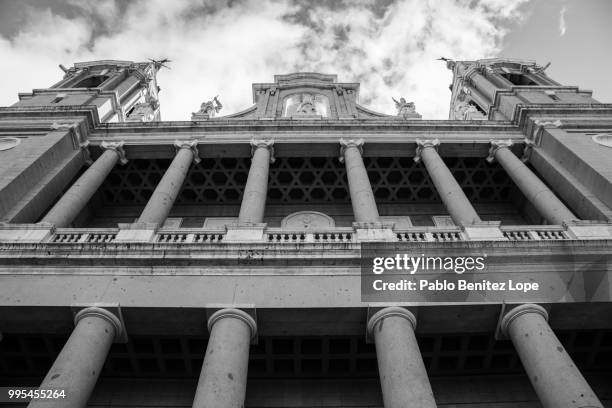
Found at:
[305, 204]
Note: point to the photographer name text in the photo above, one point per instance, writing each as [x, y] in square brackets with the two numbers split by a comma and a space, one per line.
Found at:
[441, 285]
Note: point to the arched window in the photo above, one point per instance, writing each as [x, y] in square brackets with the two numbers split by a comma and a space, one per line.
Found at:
[92, 81]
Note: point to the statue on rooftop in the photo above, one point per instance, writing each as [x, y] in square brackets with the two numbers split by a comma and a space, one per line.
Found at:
[404, 108]
[209, 109]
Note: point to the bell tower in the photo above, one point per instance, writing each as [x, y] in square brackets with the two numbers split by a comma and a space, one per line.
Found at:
[122, 91]
[493, 88]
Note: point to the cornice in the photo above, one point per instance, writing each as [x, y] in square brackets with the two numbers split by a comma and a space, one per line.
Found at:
[559, 110]
[46, 114]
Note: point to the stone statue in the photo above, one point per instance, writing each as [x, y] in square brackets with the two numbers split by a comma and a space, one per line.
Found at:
[306, 106]
[467, 111]
[404, 108]
[209, 109]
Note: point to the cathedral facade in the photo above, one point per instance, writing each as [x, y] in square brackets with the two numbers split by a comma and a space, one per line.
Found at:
[225, 261]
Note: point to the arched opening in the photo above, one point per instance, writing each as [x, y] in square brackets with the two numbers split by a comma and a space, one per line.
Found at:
[519, 79]
[92, 81]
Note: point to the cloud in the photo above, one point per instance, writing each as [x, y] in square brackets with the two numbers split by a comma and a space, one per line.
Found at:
[222, 47]
[562, 24]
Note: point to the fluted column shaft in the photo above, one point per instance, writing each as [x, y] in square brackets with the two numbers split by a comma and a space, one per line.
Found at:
[77, 367]
[222, 382]
[538, 194]
[457, 204]
[552, 372]
[253, 204]
[402, 372]
[362, 197]
[78, 195]
[159, 205]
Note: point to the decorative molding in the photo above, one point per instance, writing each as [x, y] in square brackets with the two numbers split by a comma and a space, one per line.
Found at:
[234, 314]
[422, 144]
[392, 311]
[347, 143]
[263, 143]
[518, 311]
[117, 147]
[540, 124]
[94, 311]
[73, 128]
[191, 145]
[495, 146]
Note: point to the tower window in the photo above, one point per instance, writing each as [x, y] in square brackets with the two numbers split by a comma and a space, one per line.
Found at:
[58, 98]
[92, 81]
[518, 79]
[478, 108]
[552, 95]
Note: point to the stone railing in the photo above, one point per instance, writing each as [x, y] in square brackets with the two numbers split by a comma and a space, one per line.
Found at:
[38, 233]
[83, 235]
[189, 236]
[336, 235]
[429, 234]
[535, 233]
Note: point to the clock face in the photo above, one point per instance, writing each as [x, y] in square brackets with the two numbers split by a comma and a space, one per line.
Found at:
[7, 143]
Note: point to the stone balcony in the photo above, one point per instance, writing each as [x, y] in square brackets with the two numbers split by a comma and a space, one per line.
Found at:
[260, 234]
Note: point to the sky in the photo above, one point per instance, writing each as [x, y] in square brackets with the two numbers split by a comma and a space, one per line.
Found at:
[221, 47]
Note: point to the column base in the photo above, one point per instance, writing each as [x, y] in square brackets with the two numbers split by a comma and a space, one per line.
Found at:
[136, 233]
[374, 232]
[589, 229]
[245, 232]
[25, 233]
[484, 231]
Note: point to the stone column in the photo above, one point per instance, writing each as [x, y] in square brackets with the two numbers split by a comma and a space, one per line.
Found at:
[402, 372]
[542, 198]
[253, 203]
[77, 367]
[222, 382]
[162, 200]
[79, 194]
[551, 371]
[453, 197]
[362, 197]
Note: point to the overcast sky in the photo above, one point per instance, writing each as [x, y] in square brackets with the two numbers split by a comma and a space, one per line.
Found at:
[222, 47]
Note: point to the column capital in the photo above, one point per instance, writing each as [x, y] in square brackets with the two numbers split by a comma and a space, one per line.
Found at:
[495, 146]
[519, 311]
[191, 145]
[422, 144]
[392, 311]
[117, 147]
[234, 314]
[529, 145]
[346, 143]
[101, 313]
[265, 144]
[86, 153]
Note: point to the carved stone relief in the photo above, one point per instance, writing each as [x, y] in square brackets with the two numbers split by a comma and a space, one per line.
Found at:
[307, 220]
[306, 105]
